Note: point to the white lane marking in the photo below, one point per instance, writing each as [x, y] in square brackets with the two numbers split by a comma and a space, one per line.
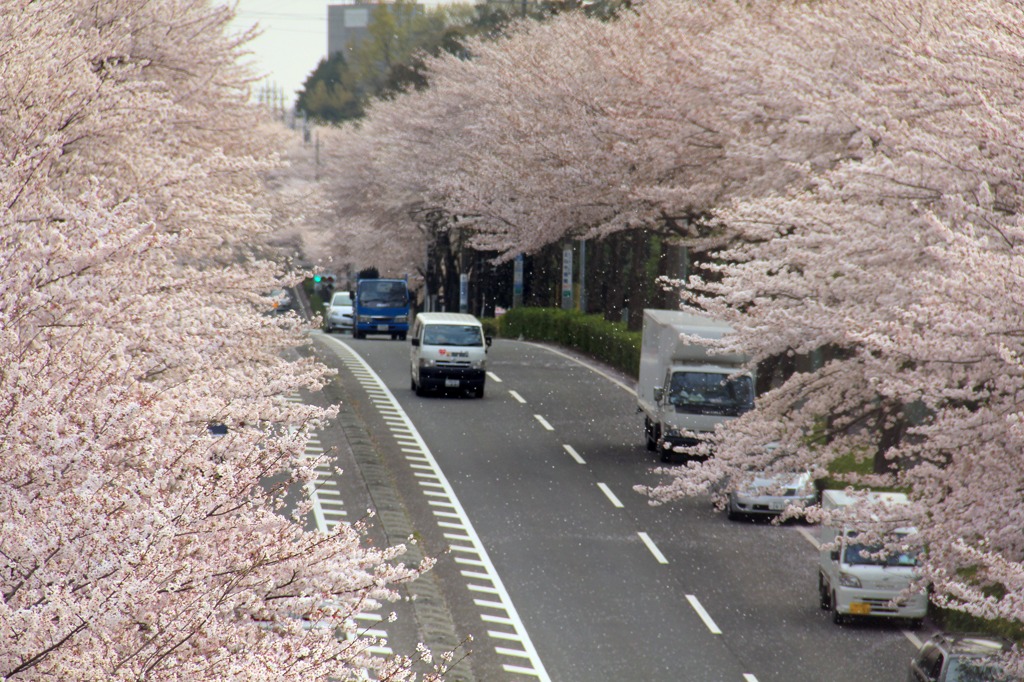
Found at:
[810, 538]
[592, 368]
[517, 397]
[747, 677]
[572, 453]
[494, 377]
[543, 422]
[703, 614]
[609, 494]
[483, 564]
[913, 638]
[653, 548]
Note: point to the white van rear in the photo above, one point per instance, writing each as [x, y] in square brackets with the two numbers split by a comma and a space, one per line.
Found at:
[448, 351]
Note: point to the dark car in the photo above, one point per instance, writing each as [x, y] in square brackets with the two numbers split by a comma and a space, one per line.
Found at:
[958, 657]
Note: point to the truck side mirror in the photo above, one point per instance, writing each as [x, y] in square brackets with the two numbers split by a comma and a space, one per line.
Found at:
[414, 341]
[488, 340]
[834, 555]
[659, 393]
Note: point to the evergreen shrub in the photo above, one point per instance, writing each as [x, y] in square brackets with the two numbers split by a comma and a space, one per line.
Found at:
[608, 342]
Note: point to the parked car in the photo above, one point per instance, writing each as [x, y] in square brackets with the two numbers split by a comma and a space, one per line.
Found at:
[958, 657]
[770, 495]
[339, 313]
[281, 300]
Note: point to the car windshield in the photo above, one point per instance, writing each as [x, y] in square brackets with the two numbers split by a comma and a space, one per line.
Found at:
[452, 335]
[710, 393]
[963, 669]
[868, 555]
[383, 294]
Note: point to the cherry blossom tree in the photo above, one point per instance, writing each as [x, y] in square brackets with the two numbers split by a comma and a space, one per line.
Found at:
[856, 164]
[135, 544]
[904, 262]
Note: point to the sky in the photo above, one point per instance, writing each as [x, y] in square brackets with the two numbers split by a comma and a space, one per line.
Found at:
[294, 40]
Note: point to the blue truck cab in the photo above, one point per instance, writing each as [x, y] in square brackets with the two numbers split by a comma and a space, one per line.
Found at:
[381, 306]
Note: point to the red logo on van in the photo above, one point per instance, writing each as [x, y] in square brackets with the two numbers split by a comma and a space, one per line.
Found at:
[441, 351]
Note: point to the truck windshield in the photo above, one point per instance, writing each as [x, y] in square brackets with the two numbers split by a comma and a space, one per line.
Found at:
[711, 393]
[383, 294]
[452, 335]
[867, 555]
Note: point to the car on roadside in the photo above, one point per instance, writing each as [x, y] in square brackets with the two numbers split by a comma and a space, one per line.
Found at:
[959, 657]
[338, 314]
[769, 495]
[281, 300]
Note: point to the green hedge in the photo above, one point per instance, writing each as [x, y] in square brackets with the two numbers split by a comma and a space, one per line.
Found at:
[592, 335]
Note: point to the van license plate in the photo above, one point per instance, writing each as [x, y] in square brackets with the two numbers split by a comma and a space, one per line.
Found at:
[382, 327]
[860, 609]
[451, 383]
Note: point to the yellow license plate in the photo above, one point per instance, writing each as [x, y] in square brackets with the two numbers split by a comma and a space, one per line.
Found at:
[859, 609]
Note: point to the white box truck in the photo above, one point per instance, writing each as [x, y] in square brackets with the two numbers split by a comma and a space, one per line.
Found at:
[854, 580]
[683, 389]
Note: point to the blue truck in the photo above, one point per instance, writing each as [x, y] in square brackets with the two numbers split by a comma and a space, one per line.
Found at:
[381, 306]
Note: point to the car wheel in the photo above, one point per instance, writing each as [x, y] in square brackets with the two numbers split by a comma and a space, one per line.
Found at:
[649, 435]
[666, 453]
[480, 392]
[823, 595]
[837, 617]
[401, 337]
[412, 384]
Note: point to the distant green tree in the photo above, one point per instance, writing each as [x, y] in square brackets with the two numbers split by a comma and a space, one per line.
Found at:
[331, 92]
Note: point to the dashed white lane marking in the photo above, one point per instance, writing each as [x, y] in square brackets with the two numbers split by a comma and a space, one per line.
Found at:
[703, 614]
[572, 453]
[610, 495]
[494, 377]
[653, 548]
[466, 548]
[517, 397]
[749, 678]
[543, 422]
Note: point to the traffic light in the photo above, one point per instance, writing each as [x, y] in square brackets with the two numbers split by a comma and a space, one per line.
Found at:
[317, 278]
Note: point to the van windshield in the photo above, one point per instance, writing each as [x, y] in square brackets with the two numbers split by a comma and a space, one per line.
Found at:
[711, 393]
[452, 335]
[867, 555]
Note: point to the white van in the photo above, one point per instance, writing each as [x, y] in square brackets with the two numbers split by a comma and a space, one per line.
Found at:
[854, 581]
[448, 351]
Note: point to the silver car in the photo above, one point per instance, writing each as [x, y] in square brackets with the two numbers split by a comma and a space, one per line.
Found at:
[771, 494]
[339, 313]
[958, 657]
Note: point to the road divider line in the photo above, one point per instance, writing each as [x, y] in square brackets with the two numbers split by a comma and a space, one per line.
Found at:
[747, 677]
[544, 422]
[810, 538]
[653, 548]
[572, 453]
[610, 495]
[703, 614]
[451, 508]
[517, 397]
[494, 377]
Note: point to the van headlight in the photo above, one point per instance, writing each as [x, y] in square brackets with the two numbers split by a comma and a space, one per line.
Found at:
[426, 362]
[847, 580]
[401, 318]
[478, 364]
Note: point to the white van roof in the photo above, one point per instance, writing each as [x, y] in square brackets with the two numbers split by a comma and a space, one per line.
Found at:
[447, 318]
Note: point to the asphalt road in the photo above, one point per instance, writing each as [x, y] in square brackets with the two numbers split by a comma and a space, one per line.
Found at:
[556, 567]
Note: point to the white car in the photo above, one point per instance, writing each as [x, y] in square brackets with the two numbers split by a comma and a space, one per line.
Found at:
[770, 495]
[339, 313]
